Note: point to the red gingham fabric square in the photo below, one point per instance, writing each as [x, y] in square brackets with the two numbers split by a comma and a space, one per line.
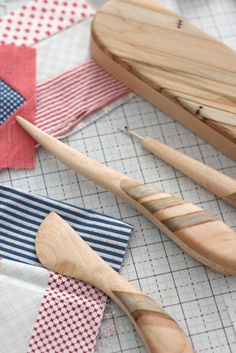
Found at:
[69, 318]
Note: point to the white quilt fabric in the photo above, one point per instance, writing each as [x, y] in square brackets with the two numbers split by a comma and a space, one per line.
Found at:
[22, 287]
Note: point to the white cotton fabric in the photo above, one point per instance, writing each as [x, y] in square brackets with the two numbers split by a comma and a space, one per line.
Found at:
[22, 288]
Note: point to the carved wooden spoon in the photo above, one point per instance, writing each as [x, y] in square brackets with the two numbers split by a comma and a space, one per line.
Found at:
[203, 236]
[61, 249]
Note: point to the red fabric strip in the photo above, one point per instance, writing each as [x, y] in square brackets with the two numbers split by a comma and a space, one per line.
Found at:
[17, 69]
[65, 100]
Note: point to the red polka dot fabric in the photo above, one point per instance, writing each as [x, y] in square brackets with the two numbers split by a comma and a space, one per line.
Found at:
[40, 19]
[69, 318]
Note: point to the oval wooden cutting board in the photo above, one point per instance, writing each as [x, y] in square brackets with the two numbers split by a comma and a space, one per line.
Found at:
[171, 63]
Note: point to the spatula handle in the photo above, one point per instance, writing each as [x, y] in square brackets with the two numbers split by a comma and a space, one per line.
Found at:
[203, 236]
[212, 180]
[159, 332]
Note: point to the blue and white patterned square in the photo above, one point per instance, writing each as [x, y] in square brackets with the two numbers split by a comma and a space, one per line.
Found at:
[21, 214]
[10, 101]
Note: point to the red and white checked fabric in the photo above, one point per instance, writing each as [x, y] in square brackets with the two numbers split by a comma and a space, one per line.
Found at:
[40, 19]
[69, 317]
[65, 100]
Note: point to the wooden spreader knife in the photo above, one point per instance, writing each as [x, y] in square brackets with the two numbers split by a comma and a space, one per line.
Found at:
[61, 249]
[201, 235]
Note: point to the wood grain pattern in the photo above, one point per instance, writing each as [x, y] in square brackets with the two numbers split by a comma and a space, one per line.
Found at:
[207, 239]
[160, 204]
[216, 182]
[188, 220]
[172, 221]
[173, 64]
[190, 224]
[230, 198]
[61, 249]
[180, 210]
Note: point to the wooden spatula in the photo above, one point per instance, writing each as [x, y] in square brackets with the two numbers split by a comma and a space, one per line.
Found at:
[203, 236]
[173, 64]
[61, 249]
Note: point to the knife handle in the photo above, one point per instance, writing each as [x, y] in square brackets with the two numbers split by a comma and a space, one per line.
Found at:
[160, 333]
[203, 236]
[219, 184]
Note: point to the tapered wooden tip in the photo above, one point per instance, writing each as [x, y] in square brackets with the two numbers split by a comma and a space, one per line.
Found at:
[22, 121]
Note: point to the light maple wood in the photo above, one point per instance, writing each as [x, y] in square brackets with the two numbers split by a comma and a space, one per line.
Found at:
[61, 249]
[203, 236]
[216, 182]
[177, 67]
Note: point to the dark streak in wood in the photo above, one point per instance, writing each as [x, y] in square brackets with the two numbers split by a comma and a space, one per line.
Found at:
[230, 199]
[140, 190]
[188, 220]
[160, 204]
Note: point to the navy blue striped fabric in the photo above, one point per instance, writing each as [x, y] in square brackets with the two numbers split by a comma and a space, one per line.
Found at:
[21, 214]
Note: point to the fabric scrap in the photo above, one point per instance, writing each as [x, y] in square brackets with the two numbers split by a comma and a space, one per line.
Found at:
[74, 44]
[21, 214]
[65, 100]
[22, 290]
[69, 317]
[40, 19]
[17, 88]
[10, 101]
[46, 311]
[71, 311]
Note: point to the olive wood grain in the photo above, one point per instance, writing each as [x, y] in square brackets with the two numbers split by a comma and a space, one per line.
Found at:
[177, 67]
[218, 183]
[61, 249]
[203, 236]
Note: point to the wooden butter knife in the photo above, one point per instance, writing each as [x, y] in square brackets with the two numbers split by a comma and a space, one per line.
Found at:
[203, 236]
[61, 249]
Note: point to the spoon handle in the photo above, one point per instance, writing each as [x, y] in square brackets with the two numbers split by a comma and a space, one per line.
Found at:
[159, 331]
